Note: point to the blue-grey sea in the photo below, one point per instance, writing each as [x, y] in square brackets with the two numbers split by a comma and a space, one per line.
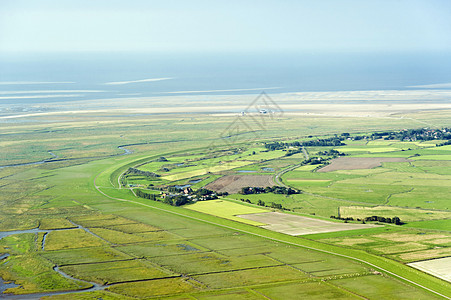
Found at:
[49, 78]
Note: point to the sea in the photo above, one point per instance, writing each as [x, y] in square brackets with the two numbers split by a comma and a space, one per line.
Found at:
[30, 78]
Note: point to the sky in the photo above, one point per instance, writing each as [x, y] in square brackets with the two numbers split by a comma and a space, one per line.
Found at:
[229, 26]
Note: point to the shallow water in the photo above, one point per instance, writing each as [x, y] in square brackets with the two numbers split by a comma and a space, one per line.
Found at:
[182, 186]
[194, 181]
[4, 285]
[55, 159]
[268, 169]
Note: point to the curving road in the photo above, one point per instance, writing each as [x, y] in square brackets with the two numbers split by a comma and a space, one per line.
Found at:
[277, 176]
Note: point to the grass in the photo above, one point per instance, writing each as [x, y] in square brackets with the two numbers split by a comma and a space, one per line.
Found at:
[241, 294]
[367, 149]
[105, 295]
[381, 287]
[402, 167]
[433, 157]
[195, 263]
[57, 223]
[74, 238]
[404, 247]
[31, 271]
[438, 252]
[206, 170]
[101, 220]
[118, 237]
[405, 214]
[396, 243]
[84, 255]
[47, 194]
[133, 228]
[113, 272]
[251, 277]
[444, 225]
[165, 248]
[226, 209]
[305, 290]
[381, 262]
[19, 243]
[154, 288]
[35, 275]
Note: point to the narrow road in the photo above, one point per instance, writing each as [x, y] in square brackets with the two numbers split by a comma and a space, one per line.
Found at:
[277, 176]
[307, 157]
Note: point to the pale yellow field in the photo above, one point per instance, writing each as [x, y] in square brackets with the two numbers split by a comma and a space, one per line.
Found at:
[306, 168]
[438, 267]
[227, 210]
[405, 247]
[212, 169]
[426, 254]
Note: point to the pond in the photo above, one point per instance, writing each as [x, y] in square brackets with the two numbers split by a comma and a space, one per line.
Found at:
[268, 169]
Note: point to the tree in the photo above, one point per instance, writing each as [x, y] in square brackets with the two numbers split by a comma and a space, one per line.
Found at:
[397, 221]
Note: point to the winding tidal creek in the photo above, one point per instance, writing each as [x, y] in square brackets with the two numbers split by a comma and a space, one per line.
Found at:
[4, 285]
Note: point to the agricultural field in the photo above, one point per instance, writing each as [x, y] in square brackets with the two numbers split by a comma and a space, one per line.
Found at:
[76, 225]
[234, 183]
[299, 225]
[228, 210]
[404, 246]
[438, 267]
[353, 163]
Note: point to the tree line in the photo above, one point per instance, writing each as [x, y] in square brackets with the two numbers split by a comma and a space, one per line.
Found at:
[134, 171]
[270, 205]
[269, 189]
[332, 141]
[394, 220]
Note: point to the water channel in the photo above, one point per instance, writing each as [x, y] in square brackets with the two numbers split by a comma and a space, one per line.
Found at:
[4, 285]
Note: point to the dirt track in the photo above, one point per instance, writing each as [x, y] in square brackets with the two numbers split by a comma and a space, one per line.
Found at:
[234, 183]
[353, 163]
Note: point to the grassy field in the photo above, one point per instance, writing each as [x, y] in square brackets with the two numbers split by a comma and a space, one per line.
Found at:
[228, 210]
[406, 214]
[141, 248]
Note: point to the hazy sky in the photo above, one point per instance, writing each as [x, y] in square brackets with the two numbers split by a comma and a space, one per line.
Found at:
[197, 25]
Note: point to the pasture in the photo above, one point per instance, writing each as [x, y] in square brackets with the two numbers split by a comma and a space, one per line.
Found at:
[228, 210]
[405, 214]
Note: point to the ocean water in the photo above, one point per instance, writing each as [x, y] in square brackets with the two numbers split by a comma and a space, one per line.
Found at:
[50, 78]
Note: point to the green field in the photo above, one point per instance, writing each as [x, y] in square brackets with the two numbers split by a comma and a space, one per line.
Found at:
[227, 210]
[142, 248]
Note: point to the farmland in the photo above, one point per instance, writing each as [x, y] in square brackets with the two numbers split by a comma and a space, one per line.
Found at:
[94, 233]
[234, 183]
[298, 225]
[353, 163]
[438, 267]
